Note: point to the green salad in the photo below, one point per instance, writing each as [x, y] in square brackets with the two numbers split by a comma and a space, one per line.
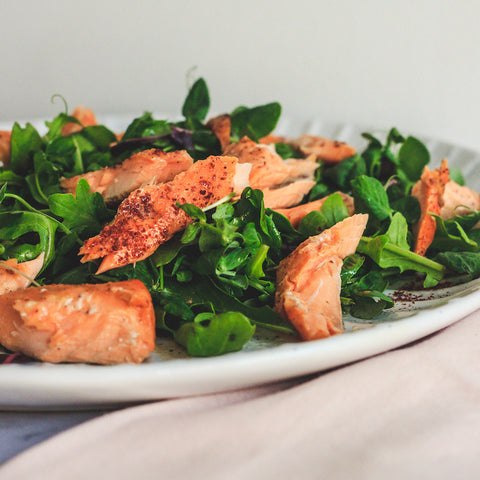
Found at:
[213, 284]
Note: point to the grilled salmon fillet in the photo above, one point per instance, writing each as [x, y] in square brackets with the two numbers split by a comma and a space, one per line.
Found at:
[330, 151]
[268, 168]
[308, 281]
[429, 191]
[149, 216]
[107, 323]
[148, 166]
[20, 276]
[287, 195]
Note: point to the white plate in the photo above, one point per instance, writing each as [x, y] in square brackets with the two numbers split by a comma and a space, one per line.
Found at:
[268, 357]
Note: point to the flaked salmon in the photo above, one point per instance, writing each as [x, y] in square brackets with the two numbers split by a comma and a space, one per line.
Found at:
[106, 323]
[429, 191]
[330, 151]
[287, 195]
[268, 168]
[148, 166]
[296, 214]
[5, 147]
[308, 281]
[84, 115]
[221, 126]
[149, 216]
[20, 275]
[458, 200]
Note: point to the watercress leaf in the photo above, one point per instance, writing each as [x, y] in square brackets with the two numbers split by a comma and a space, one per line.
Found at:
[193, 211]
[412, 158]
[370, 197]
[255, 122]
[219, 334]
[254, 267]
[313, 223]
[197, 103]
[284, 150]
[467, 263]
[206, 292]
[166, 252]
[456, 175]
[340, 175]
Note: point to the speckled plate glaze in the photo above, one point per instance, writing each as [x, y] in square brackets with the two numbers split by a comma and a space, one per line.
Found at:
[268, 357]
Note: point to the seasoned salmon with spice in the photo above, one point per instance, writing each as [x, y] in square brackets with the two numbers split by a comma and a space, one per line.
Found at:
[308, 282]
[149, 216]
[330, 151]
[287, 195]
[85, 116]
[429, 191]
[268, 168]
[151, 166]
[296, 214]
[17, 276]
[106, 323]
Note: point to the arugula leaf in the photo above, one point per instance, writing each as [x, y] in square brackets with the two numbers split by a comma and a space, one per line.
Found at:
[84, 213]
[452, 237]
[24, 142]
[211, 334]
[16, 224]
[388, 255]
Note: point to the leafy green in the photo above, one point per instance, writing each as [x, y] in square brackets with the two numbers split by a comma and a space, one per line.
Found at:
[211, 334]
[197, 103]
[255, 122]
[388, 255]
[85, 213]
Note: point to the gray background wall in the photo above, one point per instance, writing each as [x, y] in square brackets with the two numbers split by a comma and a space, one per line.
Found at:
[413, 64]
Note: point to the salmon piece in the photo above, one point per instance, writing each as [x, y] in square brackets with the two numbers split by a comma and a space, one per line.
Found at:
[21, 275]
[268, 168]
[149, 216]
[330, 151]
[84, 115]
[5, 147]
[106, 323]
[221, 126]
[273, 139]
[288, 195]
[296, 214]
[458, 200]
[149, 166]
[429, 191]
[308, 281]
[302, 168]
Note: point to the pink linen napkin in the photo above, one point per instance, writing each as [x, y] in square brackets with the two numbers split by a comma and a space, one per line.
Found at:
[410, 413]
